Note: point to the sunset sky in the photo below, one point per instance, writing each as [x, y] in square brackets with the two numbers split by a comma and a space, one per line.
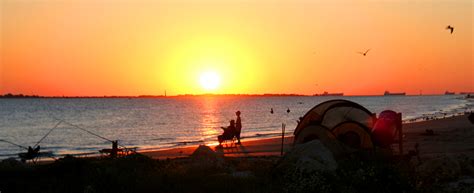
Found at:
[141, 47]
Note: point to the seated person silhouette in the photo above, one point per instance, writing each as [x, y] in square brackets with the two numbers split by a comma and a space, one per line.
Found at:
[229, 133]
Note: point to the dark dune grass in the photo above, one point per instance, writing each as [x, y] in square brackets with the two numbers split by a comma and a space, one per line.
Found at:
[139, 173]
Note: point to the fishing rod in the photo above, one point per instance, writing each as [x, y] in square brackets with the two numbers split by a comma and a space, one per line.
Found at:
[90, 132]
[49, 132]
[85, 130]
[13, 143]
[33, 154]
[76, 126]
[81, 128]
[57, 124]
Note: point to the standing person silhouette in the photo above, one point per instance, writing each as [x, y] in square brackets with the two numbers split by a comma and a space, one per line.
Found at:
[238, 126]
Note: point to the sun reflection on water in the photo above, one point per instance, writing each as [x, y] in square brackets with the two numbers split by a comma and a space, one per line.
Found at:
[210, 121]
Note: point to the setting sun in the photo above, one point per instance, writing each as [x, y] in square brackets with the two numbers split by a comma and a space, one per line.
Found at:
[209, 80]
[205, 84]
[142, 47]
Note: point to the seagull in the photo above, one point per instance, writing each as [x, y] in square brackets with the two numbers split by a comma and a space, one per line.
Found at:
[451, 28]
[288, 110]
[364, 53]
[271, 110]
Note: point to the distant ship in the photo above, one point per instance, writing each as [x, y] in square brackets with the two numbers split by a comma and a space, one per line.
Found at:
[449, 93]
[386, 93]
[330, 94]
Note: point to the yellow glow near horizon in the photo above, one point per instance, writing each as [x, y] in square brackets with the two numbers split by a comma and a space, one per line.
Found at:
[209, 80]
[142, 47]
[234, 61]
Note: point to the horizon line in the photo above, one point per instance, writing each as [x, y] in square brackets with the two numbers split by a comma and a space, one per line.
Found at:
[10, 95]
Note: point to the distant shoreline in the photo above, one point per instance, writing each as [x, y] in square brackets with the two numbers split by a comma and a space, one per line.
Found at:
[21, 96]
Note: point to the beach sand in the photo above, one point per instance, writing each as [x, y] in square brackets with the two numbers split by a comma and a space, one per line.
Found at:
[453, 135]
[260, 147]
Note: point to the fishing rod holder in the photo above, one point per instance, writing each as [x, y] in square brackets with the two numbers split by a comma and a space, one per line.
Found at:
[116, 151]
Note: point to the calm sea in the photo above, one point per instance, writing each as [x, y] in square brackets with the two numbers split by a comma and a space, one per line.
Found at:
[154, 123]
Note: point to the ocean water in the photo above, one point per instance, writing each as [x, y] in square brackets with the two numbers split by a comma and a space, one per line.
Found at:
[156, 123]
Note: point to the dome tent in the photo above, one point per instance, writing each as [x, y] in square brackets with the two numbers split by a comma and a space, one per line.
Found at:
[345, 120]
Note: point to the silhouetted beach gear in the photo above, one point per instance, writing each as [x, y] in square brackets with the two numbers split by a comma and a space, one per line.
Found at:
[229, 134]
[450, 28]
[471, 118]
[351, 124]
[30, 154]
[364, 53]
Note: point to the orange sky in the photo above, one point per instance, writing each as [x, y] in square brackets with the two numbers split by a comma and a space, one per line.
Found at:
[136, 47]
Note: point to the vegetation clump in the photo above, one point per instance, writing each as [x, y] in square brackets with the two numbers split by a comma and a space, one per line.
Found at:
[138, 173]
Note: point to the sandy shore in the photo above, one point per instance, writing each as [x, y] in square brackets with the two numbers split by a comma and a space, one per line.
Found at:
[260, 147]
[453, 135]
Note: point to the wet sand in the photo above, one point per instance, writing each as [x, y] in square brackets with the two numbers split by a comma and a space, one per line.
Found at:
[453, 135]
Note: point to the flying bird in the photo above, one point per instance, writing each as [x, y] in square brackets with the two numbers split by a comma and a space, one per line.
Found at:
[451, 28]
[364, 53]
